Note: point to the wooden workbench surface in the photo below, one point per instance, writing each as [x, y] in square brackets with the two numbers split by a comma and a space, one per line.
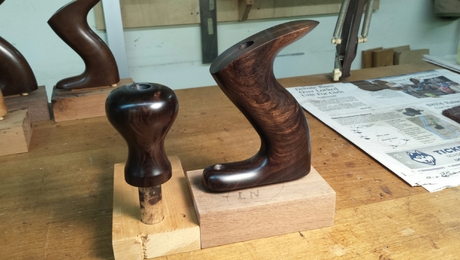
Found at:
[56, 200]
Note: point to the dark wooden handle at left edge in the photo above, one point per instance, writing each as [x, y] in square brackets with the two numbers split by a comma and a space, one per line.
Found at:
[16, 75]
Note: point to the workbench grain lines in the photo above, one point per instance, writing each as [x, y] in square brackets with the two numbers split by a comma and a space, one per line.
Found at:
[56, 200]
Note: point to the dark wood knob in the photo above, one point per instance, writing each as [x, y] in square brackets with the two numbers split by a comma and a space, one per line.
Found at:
[16, 76]
[244, 72]
[70, 24]
[143, 114]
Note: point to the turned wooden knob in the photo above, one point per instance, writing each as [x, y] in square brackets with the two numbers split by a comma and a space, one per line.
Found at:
[143, 113]
[244, 72]
[70, 24]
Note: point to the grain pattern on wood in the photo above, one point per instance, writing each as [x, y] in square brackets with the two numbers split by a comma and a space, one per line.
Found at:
[15, 132]
[304, 204]
[244, 72]
[366, 57]
[381, 58]
[16, 76]
[85, 103]
[148, 13]
[178, 232]
[143, 113]
[36, 101]
[60, 192]
[151, 205]
[70, 24]
[3, 109]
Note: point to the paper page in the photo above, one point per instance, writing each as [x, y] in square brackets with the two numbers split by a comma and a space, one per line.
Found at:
[398, 121]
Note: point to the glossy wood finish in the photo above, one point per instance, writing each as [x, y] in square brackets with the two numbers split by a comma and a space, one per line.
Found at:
[244, 72]
[16, 76]
[70, 24]
[143, 113]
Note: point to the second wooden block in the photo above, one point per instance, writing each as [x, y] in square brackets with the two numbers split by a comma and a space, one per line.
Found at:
[178, 232]
[82, 103]
[304, 204]
[15, 132]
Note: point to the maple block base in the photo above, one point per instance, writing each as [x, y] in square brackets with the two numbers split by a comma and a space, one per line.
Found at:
[81, 103]
[178, 232]
[36, 101]
[15, 132]
[236, 216]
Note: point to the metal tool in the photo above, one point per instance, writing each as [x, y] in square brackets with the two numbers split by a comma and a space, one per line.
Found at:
[348, 23]
[208, 26]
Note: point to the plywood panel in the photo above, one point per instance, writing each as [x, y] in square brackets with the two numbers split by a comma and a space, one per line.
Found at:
[148, 13]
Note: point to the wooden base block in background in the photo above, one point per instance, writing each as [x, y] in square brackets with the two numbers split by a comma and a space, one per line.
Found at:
[178, 232]
[36, 101]
[304, 204]
[15, 132]
[82, 103]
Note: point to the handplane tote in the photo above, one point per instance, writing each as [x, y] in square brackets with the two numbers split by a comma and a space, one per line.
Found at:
[244, 72]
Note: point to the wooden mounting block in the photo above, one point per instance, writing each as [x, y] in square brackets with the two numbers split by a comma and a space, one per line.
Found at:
[178, 232]
[229, 217]
[15, 132]
[36, 101]
[81, 103]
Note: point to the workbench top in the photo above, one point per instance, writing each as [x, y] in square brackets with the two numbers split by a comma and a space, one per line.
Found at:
[56, 200]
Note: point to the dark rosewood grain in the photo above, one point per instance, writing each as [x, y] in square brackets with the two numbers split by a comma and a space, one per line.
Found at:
[16, 76]
[70, 24]
[143, 113]
[244, 72]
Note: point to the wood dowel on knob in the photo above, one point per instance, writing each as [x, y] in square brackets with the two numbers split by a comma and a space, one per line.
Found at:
[3, 109]
[151, 205]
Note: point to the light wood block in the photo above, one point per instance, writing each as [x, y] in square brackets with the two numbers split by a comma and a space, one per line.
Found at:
[36, 101]
[82, 103]
[366, 57]
[15, 132]
[410, 56]
[148, 13]
[381, 58]
[3, 109]
[304, 204]
[178, 232]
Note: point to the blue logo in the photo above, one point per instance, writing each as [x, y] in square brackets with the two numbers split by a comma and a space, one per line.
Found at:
[421, 157]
